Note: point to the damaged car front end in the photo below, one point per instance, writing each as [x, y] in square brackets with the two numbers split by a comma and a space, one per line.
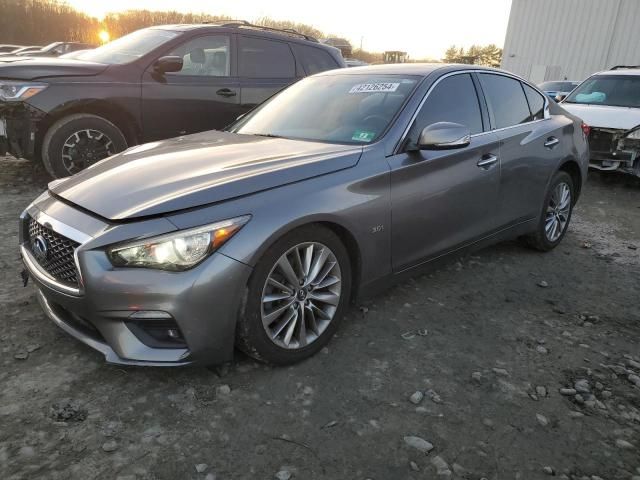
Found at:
[609, 102]
[615, 149]
[18, 119]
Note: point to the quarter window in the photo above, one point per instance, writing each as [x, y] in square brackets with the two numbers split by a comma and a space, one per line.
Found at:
[206, 56]
[506, 100]
[536, 102]
[455, 100]
[260, 58]
[313, 59]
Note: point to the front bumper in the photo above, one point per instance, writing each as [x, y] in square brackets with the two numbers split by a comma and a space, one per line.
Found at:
[611, 151]
[19, 129]
[201, 303]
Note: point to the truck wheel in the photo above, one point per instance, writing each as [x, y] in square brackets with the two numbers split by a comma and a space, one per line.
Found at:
[73, 143]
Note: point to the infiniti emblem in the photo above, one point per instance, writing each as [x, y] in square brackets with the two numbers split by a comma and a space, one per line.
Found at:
[40, 248]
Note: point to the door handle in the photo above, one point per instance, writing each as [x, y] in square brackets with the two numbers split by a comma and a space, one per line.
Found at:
[226, 92]
[551, 142]
[487, 160]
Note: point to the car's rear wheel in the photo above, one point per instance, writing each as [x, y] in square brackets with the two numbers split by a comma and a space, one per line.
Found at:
[73, 143]
[556, 214]
[296, 297]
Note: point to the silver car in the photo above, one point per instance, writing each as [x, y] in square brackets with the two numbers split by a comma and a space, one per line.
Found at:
[259, 236]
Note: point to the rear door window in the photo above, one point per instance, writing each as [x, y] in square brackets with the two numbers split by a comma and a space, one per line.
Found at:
[261, 58]
[536, 102]
[455, 100]
[314, 60]
[506, 100]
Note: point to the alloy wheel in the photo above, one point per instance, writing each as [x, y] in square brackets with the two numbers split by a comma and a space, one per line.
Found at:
[84, 148]
[558, 210]
[301, 295]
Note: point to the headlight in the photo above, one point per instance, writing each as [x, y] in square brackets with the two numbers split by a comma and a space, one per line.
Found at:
[179, 250]
[635, 135]
[14, 91]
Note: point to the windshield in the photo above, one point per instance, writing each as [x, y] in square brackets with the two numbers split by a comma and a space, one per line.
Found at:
[558, 86]
[351, 109]
[612, 90]
[128, 48]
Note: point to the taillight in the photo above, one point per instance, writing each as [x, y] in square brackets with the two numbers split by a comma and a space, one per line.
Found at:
[586, 129]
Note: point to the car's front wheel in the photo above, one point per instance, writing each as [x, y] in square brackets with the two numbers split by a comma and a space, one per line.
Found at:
[73, 143]
[556, 214]
[296, 297]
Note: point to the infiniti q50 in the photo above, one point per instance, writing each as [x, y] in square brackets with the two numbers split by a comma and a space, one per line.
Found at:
[259, 236]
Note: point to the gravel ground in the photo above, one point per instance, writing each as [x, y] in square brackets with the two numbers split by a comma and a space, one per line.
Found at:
[506, 364]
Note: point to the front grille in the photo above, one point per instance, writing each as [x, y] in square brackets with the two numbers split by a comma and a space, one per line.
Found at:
[600, 141]
[58, 260]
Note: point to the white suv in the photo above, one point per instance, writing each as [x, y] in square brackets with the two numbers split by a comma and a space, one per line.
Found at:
[609, 102]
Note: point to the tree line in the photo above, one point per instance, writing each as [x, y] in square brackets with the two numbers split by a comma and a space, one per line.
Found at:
[39, 22]
[489, 55]
[27, 22]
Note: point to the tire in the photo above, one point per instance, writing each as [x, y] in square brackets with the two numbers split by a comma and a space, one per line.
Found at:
[101, 139]
[540, 239]
[268, 343]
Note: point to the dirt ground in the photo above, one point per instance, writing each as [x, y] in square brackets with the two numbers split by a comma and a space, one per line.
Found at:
[488, 342]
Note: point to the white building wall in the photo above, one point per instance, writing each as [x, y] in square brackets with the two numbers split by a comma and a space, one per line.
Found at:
[557, 39]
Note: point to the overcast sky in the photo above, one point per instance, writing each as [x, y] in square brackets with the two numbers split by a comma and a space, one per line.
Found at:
[424, 28]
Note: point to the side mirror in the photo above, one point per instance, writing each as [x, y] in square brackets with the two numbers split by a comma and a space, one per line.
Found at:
[560, 97]
[169, 63]
[444, 136]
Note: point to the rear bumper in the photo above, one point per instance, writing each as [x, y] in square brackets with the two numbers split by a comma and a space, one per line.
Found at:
[19, 129]
[200, 305]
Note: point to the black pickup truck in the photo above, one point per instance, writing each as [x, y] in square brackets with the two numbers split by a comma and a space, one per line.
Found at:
[155, 83]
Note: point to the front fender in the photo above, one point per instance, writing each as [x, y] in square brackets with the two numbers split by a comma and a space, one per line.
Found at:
[355, 200]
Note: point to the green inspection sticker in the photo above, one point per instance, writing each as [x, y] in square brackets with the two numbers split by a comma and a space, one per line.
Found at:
[363, 136]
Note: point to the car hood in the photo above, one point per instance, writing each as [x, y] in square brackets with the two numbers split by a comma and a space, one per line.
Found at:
[603, 116]
[27, 68]
[195, 170]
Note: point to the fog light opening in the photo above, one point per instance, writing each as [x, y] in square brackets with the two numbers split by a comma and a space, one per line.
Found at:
[156, 332]
[174, 333]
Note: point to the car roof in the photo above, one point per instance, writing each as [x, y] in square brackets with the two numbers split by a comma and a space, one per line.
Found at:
[621, 71]
[241, 25]
[420, 69]
[560, 81]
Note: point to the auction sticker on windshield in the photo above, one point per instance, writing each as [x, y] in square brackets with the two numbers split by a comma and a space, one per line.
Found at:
[374, 87]
[363, 136]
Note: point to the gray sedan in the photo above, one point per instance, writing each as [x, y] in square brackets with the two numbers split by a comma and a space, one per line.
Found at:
[259, 236]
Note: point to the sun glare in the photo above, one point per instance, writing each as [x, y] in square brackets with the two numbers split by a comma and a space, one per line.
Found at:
[104, 36]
